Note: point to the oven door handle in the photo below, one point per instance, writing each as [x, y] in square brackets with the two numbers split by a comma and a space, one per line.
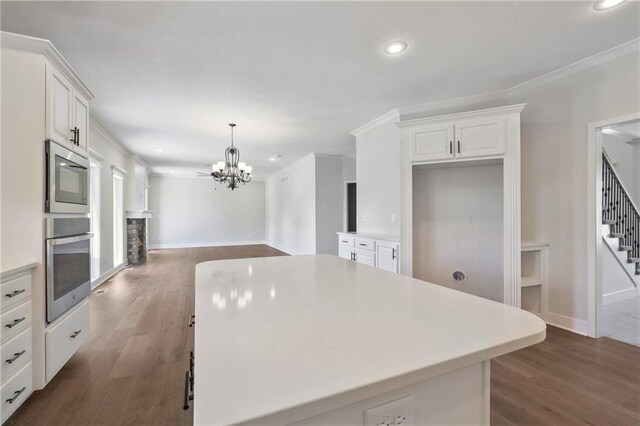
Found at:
[74, 239]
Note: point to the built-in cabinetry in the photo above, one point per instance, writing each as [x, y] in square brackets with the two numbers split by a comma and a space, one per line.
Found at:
[16, 338]
[67, 110]
[378, 251]
[535, 277]
[469, 141]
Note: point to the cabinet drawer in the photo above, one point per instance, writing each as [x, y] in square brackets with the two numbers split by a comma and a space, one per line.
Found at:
[13, 321]
[347, 240]
[16, 391]
[15, 291]
[15, 354]
[365, 243]
[64, 338]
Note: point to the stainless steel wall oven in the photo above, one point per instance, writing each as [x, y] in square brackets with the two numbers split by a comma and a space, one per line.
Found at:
[68, 263]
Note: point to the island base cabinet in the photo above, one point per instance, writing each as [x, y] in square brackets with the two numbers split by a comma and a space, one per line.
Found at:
[460, 397]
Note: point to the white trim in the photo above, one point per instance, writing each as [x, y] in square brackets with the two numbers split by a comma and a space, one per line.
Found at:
[594, 219]
[285, 168]
[104, 277]
[391, 115]
[619, 296]
[582, 64]
[46, 48]
[285, 249]
[95, 156]
[567, 323]
[99, 128]
[206, 244]
[507, 109]
[118, 171]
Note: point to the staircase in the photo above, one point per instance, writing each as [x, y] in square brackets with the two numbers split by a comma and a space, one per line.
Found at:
[620, 214]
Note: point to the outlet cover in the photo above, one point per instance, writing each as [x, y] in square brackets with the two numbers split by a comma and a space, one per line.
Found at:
[399, 412]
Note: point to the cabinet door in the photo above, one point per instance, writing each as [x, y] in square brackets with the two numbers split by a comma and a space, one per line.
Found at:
[366, 257]
[81, 119]
[433, 142]
[345, 252]
[481, 137]
[59, 106]
[387, 256]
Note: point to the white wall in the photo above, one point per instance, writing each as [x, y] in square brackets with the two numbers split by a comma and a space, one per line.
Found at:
[554, 170]
[290, 207]
[102, 143]
[378, 177]
[330, 203]
[624, 157]
[616, 283]
[458, 225]
[191, 212]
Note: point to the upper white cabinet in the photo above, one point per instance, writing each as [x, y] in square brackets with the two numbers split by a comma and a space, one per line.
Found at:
[450, 139]
[480, 137]
[434, 142]
[66, 112]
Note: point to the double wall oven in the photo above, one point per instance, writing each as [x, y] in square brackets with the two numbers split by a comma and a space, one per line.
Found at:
[67, 229]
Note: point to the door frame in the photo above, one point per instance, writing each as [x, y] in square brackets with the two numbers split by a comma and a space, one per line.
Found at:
[594, 218]
[345, 210]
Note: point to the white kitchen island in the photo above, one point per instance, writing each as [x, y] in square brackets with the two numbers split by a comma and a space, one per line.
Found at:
[321, 340]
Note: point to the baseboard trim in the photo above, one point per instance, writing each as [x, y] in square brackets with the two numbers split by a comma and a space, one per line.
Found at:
[567, 323]
[206, 244]
[287, 250]
[104, 277]
[618, 296]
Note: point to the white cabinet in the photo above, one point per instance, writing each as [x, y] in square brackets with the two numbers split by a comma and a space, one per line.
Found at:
[372, 250]
[451, 140]
[65, 336]
[16, 339]
[433, 142]
[387, 256]
[66, 111]
[480, 137]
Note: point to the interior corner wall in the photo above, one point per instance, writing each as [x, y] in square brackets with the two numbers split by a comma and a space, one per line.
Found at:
[554, 171]
[195, 212]
[114, 155]
[330, 203]
[290, 207]
[378, 177]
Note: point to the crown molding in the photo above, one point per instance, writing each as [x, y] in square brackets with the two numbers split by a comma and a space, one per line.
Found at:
[582, 64]
[46, 48]
[508, 109]
[99, 128]
[95, 155]
[117, 170]
[391, 115]
[335, 156]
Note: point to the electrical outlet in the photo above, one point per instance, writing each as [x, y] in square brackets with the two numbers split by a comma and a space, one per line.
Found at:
[393, 218]
[399, 412]
[364, 217]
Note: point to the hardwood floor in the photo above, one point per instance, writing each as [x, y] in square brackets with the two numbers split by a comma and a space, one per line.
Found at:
[131, 370]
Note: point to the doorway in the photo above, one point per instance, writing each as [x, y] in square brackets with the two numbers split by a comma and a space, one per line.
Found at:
[614, 229]
[351, 206]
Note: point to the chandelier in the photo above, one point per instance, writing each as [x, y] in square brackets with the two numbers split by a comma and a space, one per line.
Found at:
[231, 171]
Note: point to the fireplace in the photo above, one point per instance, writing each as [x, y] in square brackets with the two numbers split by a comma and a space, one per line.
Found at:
[136, 240]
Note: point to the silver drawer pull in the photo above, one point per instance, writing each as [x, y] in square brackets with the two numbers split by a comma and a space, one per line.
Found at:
[75, 334]
[363, 245]
[16, 395]
[15, 293]
[15, 322]
[344, 241]
[16, 356]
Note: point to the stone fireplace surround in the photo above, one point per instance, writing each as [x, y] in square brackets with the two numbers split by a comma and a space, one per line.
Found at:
[136, 240]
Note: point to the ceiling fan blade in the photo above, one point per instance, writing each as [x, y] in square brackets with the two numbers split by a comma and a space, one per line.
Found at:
[203, 174]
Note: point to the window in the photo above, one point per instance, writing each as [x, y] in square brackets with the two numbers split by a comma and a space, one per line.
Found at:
[94, 212]
[118, 216]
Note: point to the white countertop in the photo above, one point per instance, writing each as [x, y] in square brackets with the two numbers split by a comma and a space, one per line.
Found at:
[296, 336]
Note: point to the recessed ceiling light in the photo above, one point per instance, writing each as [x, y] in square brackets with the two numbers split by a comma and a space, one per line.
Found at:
[396, 47]
[170, 171]
[607, 4]
[159, 149]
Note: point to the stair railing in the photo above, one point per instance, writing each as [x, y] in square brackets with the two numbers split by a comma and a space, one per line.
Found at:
[618, 207]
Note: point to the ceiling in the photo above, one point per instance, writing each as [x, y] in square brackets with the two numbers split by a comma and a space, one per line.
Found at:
[297, 77]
